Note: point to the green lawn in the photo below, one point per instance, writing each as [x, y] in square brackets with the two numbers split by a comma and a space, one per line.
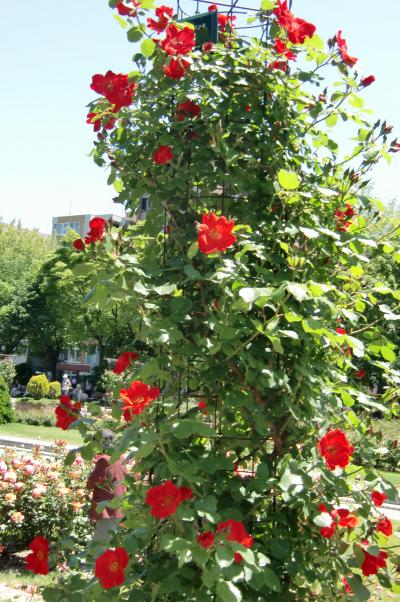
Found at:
[39, 433]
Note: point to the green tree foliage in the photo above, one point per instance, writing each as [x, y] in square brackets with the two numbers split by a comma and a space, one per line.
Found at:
[7, 371]
[268, 335]
[22, 252]
[6, 411]
[38, 386]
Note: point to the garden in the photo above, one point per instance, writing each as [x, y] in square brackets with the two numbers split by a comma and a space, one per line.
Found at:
[254, 400]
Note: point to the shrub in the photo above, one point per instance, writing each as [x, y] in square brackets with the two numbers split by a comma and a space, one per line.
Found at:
[7, 371]
[38, 386]
[6, 410]
[35, 418]
[54, 389]
[40, 495]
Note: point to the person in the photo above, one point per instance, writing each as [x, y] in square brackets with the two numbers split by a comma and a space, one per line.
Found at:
[65, 385]
[78, 394]
[107, 482]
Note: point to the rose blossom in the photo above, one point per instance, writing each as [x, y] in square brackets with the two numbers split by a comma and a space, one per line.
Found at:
[17, 518]
[38, 491]
[29, 470]
[10, 477]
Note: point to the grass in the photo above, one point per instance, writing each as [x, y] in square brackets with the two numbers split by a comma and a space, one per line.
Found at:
[39, 433]
[390, 429]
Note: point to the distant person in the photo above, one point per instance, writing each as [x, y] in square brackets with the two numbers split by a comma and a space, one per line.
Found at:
[107, 482]
[78, 394]
[65, 385]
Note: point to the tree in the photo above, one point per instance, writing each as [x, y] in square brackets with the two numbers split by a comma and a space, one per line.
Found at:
[22, 252]
[53, 320]
[242, 422]
[6, 411]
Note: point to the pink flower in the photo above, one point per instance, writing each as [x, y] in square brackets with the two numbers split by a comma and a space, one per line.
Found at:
[3, 467]
[17, 518]
[38, 491]
[28, 470]
[10, 477]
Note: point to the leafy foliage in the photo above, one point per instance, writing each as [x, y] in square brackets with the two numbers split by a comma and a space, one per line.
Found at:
[38, 386]
[6, 411]
[54, 389]
[8, 371]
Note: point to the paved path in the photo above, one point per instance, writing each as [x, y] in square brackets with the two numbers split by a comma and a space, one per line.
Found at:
[28, 444]
[9, 594]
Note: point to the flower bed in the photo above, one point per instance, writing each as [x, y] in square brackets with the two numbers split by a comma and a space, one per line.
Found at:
[41, 495]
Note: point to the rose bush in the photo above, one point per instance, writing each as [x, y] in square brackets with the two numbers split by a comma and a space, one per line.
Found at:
[248, 296]
[41, 496]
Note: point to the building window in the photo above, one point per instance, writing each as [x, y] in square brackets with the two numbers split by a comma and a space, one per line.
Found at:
[63, 227]
[144, 203]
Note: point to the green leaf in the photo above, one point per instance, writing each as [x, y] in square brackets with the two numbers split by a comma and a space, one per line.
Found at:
[268, 4]
[288, 179]
[134, 34]
[276, 344]
[187, 427]
[271, 580]
[299, 291]
[165, 289]
[148, 47]
[118, 185]
[193, 250]
[227, 592]
[388, 354]
[309, 232]
[224, 557]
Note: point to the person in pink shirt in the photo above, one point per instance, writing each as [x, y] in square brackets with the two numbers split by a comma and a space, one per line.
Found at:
[107, 482]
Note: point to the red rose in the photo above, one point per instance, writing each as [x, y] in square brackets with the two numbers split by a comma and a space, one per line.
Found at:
[360, 373]
[202, 407]
[384, 525]
[67, 412]
[372, 564]
[367, 81]
[165, 499]
[394, 147]
[297, 29]
[237, 557]
[110, 567]
[124, 361]
[224, 21]
[107, 124]
[137, 398]
[38, 560]
[127, 11]
[206, 539]
[281, 65]
[235, 531]
[378, 498]
[163, 155]
[176, 68]
[116, 87]
[281, 48]
[342, 47]
[178, 41]
[79, 244]
[164, 14]
[335, 448]
[97, 227]
[345, 518]
[187, 109]
[340, 330]
[215, 233]
[212, 8]
[207, 47]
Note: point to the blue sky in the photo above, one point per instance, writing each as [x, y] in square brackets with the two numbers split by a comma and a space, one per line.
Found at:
[49, 52]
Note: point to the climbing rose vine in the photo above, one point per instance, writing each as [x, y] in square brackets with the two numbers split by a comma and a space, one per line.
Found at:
[249, 299]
